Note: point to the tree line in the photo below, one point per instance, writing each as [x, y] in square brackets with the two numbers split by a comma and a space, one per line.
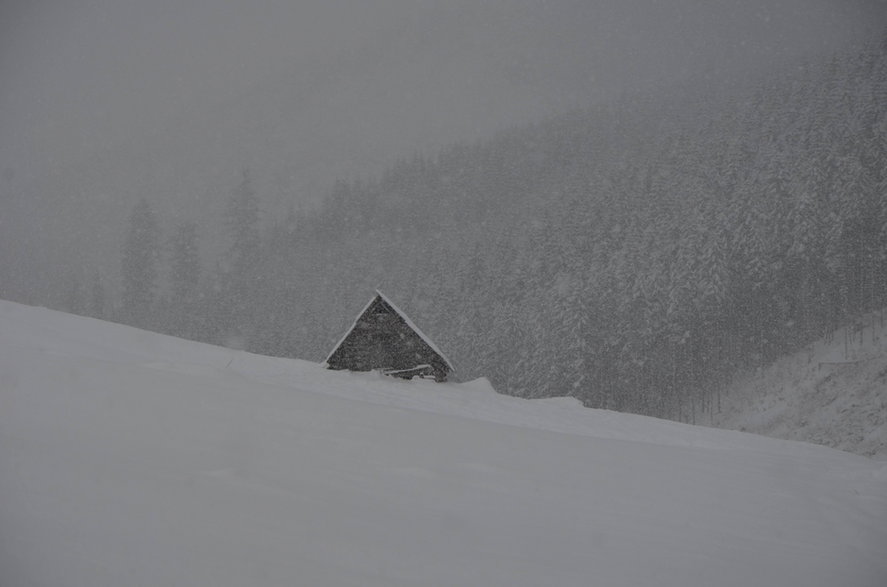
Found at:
[634, 255]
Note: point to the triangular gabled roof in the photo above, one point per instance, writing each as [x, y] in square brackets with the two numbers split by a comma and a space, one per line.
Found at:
[380, 296]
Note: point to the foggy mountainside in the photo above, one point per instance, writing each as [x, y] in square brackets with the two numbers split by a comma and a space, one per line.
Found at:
[633, 255]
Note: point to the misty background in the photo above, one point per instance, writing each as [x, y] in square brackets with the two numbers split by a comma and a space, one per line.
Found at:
[104, 102]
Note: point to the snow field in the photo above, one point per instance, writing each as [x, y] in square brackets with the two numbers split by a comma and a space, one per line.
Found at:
[131, 458]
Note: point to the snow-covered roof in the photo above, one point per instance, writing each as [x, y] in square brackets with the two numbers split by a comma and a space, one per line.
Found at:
[403, 316]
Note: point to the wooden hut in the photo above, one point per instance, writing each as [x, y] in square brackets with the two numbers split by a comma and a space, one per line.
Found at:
[383, 338]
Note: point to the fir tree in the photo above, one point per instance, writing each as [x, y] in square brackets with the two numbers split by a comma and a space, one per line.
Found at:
[97, 299]
[140, 256]
[241, 287]
[184, 279]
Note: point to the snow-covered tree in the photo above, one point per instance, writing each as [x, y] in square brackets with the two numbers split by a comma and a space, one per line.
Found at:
[184, 278]
[140, 256]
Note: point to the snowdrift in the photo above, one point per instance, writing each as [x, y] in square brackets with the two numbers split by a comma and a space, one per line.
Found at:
[129, 458]
[833, 392]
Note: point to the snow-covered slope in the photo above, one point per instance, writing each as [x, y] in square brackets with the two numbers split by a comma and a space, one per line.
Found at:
[833, 392]
[129, 458]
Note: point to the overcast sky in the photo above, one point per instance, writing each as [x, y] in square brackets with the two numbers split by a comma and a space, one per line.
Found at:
[103, 101]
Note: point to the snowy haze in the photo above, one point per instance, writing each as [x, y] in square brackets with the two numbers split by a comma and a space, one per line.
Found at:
[102, 102]
[131, 458]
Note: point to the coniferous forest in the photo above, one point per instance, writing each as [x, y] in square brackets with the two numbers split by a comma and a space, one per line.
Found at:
[634, 254]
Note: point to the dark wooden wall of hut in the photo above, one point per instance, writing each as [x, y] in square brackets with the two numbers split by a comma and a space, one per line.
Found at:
[381, 339]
